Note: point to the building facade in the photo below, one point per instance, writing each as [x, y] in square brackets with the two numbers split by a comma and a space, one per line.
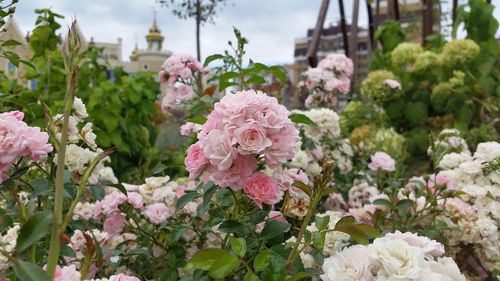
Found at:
[148, 59]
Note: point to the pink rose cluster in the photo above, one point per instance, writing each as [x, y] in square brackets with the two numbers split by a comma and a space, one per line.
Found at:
[176, 75]
[244, 129]
[382, 161]
[17, 140]
[332, 74]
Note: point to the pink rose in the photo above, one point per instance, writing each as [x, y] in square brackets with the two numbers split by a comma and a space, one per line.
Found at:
[186, 73]
[114, 224]
[277, 216]
[382, 161]
[167, 102]
[195, 160]
[218, 149]
[393, 84]
[283, 146]
[439, 179]
[157, 213]
[180, 190]
[135, 199]
[111, 201]
[261, 189]
[286, 177]
[213, 122]
[123, 277]
[38, 143]
[16, 114]
[241, 169]
[431, 248]
[185, 92]
[250, 139]
[190, 127]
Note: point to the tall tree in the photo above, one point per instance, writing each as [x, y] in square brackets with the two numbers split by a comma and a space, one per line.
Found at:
[202, 11]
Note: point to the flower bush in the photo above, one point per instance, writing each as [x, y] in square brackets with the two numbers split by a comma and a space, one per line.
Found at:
[256, 191]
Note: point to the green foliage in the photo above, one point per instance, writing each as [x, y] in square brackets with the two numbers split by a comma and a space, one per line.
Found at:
[233, 72]
[455, 83]
[390, 34]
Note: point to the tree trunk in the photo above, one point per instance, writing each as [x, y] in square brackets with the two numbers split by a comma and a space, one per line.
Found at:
[316, 37]
[353, 44]
[198, 23]
[396, 9]
[371, 27]
[428, 20]
[454, 12]
[343, 27]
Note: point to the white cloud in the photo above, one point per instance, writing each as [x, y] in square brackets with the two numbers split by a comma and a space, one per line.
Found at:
[270, 25]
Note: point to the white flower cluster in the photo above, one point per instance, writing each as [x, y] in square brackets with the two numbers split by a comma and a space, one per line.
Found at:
[82, 148]
[328, 145]
[448, 140]
[397, 256]
[477, 212]
[8, 243]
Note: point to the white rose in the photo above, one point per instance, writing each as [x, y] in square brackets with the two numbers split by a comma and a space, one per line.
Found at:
[350, 264]
[396, 260]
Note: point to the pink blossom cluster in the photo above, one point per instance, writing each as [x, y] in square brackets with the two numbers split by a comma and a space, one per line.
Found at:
[243, 129]
[176, 76]
[190, 127]
[332, 74]
[382, 161]
[17, 140]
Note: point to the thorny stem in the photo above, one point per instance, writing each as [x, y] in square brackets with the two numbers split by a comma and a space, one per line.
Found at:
[71, 65]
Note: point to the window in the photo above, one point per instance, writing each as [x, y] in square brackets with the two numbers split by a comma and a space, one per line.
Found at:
[11, 69]
[34, 83]
[155, 45]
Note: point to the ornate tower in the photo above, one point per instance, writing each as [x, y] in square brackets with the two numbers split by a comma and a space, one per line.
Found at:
[154, 37]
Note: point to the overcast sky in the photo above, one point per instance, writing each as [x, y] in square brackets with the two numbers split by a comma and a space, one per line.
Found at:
[270, 25]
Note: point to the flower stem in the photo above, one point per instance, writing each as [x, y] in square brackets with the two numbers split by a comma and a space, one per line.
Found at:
[71, 66]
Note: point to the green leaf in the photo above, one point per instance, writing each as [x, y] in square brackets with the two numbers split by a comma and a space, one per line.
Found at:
[223, 266]
[198, 119]
[279, 72]
[239, 246]
[368, 230]
[5, 220]
[304, 187]
[299, 275]
[255, 79]
[212, 58]
[322, 222]
[251, 277]
[204, 259]
[35, 229]
[186, 198]
[208, 192]
[231, 226]
[225, 84]
[158, 168]
[274, 228]
[27, 271]
[261, 261]
[383, 202]
[346, 220]
[11, 43]
[118, 186]
[28, 63]
[218, 262]
[355, 233]
[298, 118]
